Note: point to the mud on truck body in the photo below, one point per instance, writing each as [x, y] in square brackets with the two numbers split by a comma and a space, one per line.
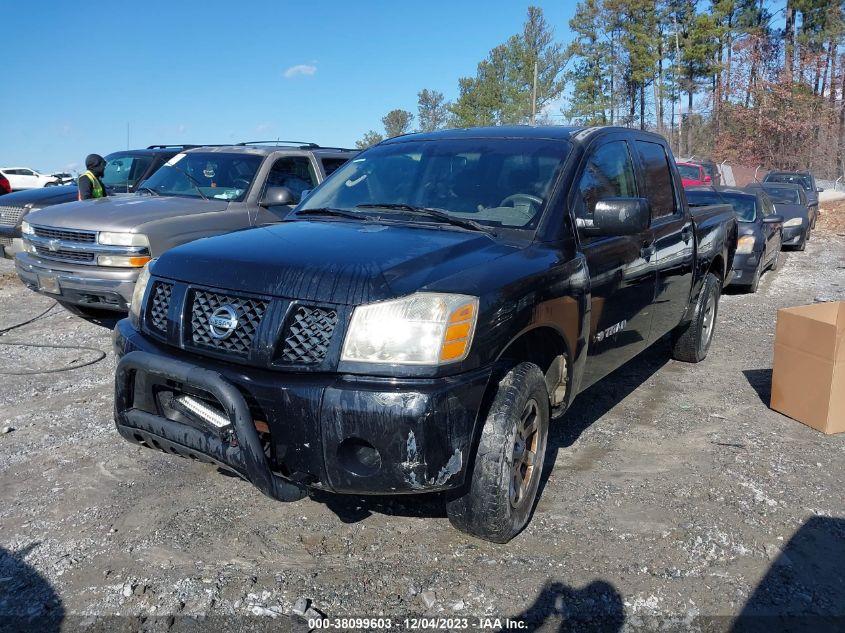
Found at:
[417, 321]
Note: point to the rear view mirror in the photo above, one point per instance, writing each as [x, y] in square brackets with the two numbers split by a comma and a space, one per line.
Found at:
[277, 196]
[773, 219]
[621, 216]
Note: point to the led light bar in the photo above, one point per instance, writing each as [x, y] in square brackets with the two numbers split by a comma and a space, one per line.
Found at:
[202, 411]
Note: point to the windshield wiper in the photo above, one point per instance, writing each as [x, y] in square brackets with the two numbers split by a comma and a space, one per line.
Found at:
[431, 212]
[342, 213]
[150, 189]
[191, 179]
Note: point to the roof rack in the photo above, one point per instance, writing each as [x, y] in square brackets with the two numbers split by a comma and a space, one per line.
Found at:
[341, 149]
[172, 146]
[301, 144]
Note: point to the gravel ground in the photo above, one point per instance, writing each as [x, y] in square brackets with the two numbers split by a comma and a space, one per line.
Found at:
[676, 499]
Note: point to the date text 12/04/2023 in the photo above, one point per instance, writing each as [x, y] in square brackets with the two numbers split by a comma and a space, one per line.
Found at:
[419, 624]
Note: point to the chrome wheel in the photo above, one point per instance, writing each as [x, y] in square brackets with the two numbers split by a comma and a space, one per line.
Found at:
[708, 320]
[524, 453]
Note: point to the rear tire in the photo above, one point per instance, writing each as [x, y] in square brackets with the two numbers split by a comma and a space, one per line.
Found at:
[690, 342]
[499, 497]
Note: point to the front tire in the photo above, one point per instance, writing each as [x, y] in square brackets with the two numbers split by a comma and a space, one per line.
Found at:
[691, 341]
[499, 498]
[776, 261]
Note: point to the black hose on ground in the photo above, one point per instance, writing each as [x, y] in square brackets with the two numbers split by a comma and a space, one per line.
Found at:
[31, 372]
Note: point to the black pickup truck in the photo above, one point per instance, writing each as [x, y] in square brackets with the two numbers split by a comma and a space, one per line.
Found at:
[419, 319]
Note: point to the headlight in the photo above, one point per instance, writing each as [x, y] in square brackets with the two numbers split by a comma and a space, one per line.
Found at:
[745, 244]
[138, 296]
[793, 222]
[26, 228]
[425, 328]
[123, 239]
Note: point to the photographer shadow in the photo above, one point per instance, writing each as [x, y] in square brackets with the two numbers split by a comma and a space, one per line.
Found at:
[27, 600]
[598, 607]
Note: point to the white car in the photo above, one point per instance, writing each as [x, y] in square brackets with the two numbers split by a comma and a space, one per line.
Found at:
[25, 178]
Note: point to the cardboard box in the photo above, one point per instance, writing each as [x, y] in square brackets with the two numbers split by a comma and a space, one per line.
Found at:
[808, 379]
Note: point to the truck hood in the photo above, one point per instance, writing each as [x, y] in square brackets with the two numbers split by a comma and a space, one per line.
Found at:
[330, 261]
[43, 197]
[120, 213]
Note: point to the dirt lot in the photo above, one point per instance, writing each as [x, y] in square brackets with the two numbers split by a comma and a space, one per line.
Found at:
[676, 499]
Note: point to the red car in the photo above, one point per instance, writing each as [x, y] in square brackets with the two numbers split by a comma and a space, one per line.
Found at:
[693, 175]
[5, 187]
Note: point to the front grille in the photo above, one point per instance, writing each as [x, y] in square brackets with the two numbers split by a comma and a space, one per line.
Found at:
[10, 216]
[159, 305]
[248, 312]
[69, 256]
[308, 335]
[69, 235]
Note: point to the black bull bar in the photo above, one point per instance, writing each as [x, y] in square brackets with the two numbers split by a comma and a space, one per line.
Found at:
[242, 453]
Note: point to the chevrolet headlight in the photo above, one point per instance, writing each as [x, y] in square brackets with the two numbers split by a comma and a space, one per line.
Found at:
[26, 228]
[793, 222]
[136, 305]
[123, 239]
[745, 245]
[425, 328]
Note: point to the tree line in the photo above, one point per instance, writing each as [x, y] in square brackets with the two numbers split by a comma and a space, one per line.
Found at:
[746, 81]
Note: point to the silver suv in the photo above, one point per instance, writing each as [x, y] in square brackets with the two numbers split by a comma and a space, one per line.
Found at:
[87, 255]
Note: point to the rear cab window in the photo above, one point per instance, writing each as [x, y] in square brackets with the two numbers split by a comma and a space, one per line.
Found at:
[659, 184]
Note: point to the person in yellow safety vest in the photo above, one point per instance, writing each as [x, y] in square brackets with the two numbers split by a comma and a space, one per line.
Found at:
[89, 183]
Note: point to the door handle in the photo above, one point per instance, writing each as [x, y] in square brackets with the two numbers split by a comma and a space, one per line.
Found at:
[686, 234]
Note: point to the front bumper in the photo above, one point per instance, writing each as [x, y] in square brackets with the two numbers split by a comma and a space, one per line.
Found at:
[794, 235]
[344, 434]
[88, 286]
[744, 268]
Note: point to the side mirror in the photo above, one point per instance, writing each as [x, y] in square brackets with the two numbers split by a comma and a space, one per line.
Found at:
[621, 216]
[819, 189]
[773, 219]
[277, 196]
[708, 180]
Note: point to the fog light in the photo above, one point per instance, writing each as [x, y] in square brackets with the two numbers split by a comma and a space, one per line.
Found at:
[359, 457]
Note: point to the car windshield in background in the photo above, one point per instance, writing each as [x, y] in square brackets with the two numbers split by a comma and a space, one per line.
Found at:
[697, 198]
[783, 196]
[792, 179]
[123, 170]
[744, 206]
[690, 172]
[205, 175]
[495, 182]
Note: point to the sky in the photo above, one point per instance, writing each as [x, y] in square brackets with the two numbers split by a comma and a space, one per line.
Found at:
[99, 77]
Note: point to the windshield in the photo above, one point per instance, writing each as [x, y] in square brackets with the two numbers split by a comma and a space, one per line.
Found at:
[207, 174]
[744, 206]
[495, 182]
[124, 170]
[690, 172]
[697, 198]
[784, 196]
[792, 179]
